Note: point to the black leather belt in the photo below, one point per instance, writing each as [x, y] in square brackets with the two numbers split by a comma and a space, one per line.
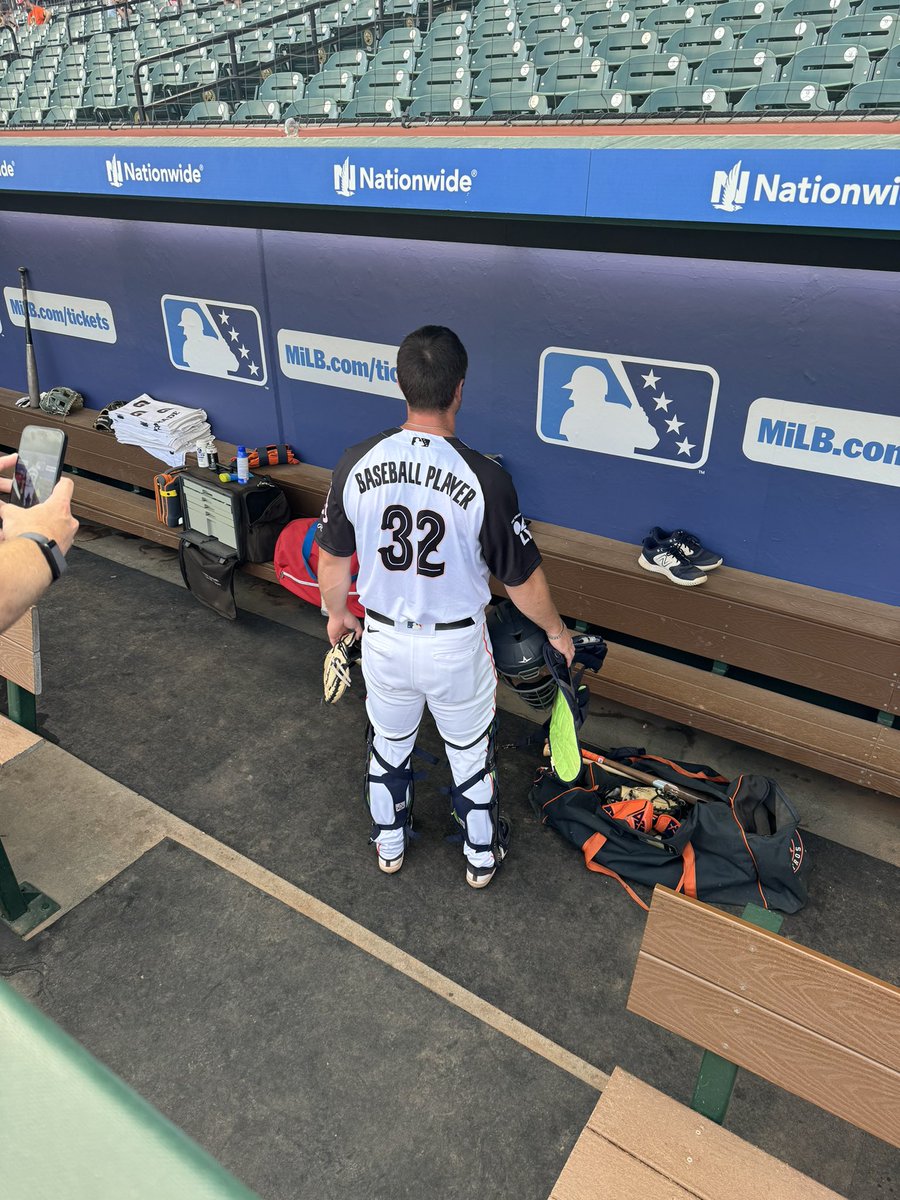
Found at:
[376, 616]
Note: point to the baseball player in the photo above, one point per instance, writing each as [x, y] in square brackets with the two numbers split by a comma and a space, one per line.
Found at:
[431, 520]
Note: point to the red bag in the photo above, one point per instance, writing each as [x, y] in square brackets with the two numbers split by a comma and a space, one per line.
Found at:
[297, 560]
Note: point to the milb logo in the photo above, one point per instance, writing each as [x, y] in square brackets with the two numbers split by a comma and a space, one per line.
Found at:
[643, 408]
[215, 337]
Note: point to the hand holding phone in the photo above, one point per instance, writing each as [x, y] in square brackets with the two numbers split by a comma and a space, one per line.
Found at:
[42, 451]
[53, 518]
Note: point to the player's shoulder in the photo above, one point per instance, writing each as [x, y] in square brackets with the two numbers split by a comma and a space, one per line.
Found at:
[354, 454]
[491, 474]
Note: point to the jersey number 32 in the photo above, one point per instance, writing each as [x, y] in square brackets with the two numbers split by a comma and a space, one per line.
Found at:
[399, 553]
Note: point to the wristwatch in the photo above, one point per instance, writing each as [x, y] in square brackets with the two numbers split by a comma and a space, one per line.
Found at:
[55, 558]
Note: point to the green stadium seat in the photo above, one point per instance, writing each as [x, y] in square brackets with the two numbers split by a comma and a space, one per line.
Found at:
[558, 45]
[598, 25]
[98, 97]
[882, 95]
[837, 68]
[440, 102]
[514, 102]
[373, 108]
[513, 49]
[783, 38]
[697, 42]
[455, 53]
[59, 114]
[9, 97]
[870, 7]
[398, 57]
[590, 8]
[450, 26]
[256, 112]
[617, 47]
[400, 9]
[784, 97]
[492, 8]
[401, 36]
[888, 66]
[489, 31]
[877, 33]
[37, 96]
[567, 77]
[741, 15]
[530, 10]
[459, 83]
[665, 21]
[737, 70]
[312, 108]
[166, 78]
[821, 13]
[645, 72]
[331, 85]
[640, 9]
[693, 98]
[27, 116]
[591, 99]
[354, 61]
[384, 85]
[542, 27]
[360, 12]
[207, 112]
[504, 77]
[41, 77]
[67, 95]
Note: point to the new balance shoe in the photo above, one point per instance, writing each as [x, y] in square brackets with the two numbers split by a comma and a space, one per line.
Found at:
[390, 865]
[666, 560]
[688, 546]
[480, 877]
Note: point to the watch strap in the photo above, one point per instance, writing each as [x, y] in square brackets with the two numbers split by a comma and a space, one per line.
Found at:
[53, 555]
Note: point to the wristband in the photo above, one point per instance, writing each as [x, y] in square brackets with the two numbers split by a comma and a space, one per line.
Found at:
[53, 556]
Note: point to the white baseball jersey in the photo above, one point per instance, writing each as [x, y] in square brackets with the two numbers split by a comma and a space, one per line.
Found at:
[431, 520]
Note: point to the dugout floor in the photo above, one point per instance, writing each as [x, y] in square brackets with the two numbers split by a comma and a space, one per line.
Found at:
[228, 947]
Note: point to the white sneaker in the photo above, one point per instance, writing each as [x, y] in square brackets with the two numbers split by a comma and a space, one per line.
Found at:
[390, 866]
[480, 877]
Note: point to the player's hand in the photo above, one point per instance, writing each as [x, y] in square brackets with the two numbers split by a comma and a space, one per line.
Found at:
[339, 625]
[53, 518]
[7, 463]
[564, 645]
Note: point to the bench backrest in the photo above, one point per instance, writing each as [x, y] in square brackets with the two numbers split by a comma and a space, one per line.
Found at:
[809, 1024]
[20, 657]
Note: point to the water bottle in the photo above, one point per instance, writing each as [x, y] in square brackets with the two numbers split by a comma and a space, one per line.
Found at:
[242, 465]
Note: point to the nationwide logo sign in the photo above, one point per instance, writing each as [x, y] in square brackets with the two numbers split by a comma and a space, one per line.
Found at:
[349, 179]
[7, 169]
[734, 187]
[122, 171]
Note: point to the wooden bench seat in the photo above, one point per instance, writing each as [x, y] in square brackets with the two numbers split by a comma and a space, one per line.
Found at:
[823, 641]
[812, 1026]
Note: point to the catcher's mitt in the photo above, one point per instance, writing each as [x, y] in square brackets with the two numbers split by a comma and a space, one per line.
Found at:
[338, 661]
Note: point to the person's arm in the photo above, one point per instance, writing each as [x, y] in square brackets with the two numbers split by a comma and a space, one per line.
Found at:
[24, 572]
[534, 600]
[334, 586]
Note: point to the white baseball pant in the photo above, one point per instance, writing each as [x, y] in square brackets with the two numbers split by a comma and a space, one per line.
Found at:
[452, 671]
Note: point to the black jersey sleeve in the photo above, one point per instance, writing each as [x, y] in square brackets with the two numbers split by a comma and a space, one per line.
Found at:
[506, 542]
[335, 534]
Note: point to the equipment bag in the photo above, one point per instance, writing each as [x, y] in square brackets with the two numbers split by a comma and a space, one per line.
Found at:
[246, 517]
[207, 568]
[742, 844]
[297, 561]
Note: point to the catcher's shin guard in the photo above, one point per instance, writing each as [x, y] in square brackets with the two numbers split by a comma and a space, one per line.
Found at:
[389, 793]
[479, 794]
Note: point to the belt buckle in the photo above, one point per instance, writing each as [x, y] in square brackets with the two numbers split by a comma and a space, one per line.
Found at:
[411, 625]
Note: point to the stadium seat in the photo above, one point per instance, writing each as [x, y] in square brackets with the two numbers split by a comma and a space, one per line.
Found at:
[359, 12]
[697, 42]
[589, 8]
[888, 66]
[592, 99]
[97, 98]
[312, 107]
[784, 97]
[623, 44]
[871, 7]
[401, 37]
[489, 31]
[692, 98]
[504, 77]
[27, 116]
[514, 102]
[882, 95]
[35, 97]
[837, 68]
[665, 21]
[558, 45]
[565, 78]
[60, 115]
[67, 95]
[256, 112]
[530, 10]
[372, 108]
[354, 61]
[737, 70]
[646, 72]
[384, 85]
[741, 15]
[283, 86]
[207, 112]
[400, 9]
[542, 27]
[597, 26]
[640, 9]
[397, 57]
[457, 53]
[331, 85]
[782, 38]
[9, 97]
[877, 33]
[457, 84]
[440, 103]
[449, 26]
[507, 49]
[203, 73]
[166, 78]
[821, 13]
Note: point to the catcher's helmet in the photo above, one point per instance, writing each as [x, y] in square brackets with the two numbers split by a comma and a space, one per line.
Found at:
[518, 646]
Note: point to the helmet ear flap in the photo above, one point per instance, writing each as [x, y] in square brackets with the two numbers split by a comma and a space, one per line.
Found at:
[518, 647]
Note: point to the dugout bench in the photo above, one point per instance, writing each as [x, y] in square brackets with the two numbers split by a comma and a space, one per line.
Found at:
[813, 1026]
[826, 642]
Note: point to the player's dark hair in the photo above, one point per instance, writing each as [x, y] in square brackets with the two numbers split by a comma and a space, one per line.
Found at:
[431, 362]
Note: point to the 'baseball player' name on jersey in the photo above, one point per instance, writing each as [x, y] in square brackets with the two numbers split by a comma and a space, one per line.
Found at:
[436, 478]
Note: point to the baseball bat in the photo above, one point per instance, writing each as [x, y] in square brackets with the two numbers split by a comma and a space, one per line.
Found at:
[34, 388]
[675, 790]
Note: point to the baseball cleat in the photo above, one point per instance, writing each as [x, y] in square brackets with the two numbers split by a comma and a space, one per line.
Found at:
[390, 866]
[688, 545]
[480, 877]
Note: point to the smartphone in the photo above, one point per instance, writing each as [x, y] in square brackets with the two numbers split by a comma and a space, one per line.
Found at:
[42, 452]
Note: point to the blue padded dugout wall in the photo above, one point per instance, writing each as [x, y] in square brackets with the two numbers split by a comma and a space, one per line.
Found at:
[778, 378]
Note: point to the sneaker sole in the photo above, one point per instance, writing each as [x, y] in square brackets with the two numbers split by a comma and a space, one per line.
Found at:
[651, 566]
[710, 566]
[484, 880]
[390, 867]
